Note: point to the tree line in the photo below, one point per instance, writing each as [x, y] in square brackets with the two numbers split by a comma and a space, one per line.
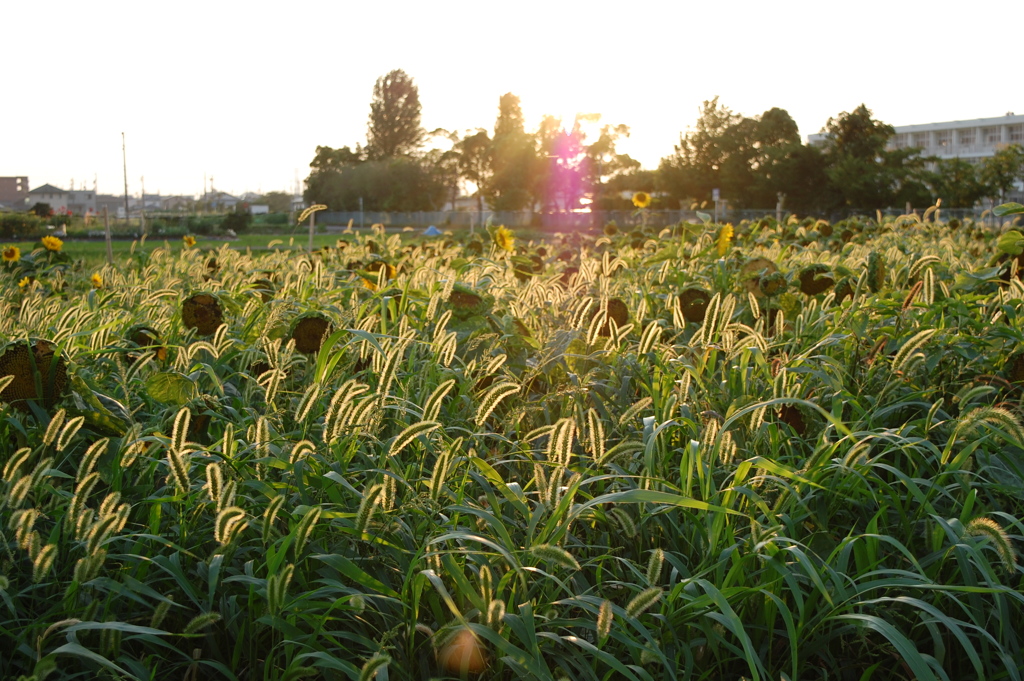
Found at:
[752, 161]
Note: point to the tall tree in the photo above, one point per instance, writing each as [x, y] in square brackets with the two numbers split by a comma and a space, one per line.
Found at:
[474, 162]
[513, 158]
[735, 154]
[394, 127]
[956, 182]
[1003, 170]
[863, 173]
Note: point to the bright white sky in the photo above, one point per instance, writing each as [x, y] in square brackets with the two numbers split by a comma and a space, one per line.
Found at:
[245, 91]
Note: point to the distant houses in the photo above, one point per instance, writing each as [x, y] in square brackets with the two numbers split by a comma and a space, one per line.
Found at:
[15, 195]
[13, 192]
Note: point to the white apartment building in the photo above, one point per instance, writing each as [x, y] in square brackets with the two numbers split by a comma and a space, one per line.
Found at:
[973, 140]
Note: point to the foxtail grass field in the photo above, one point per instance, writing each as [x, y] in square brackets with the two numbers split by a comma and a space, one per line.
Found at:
[770, 451]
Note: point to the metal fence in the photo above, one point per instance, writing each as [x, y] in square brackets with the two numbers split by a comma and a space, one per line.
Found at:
[597, 219]
[548, 221]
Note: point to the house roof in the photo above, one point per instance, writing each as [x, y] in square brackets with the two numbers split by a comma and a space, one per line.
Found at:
[47, 189]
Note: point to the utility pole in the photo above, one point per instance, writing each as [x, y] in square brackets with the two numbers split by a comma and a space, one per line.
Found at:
[142, 211]
[106, 229]
[124, 164]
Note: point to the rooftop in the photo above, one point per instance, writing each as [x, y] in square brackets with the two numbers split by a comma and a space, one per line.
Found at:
[47, 189]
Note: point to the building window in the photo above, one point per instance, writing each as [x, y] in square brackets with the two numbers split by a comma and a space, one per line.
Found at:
[1017, 133]
[922, 140]
[899, 141]
[990, 135]
[944, 138]
[966, 137]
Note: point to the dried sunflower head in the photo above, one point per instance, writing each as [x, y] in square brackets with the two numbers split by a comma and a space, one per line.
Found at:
[146, 337]
[309, 332]
[265, 289]
[466, 303]
[39, 371]
[755, 270]
[815, 279]
[693, 304]
[617, 310]
[203, 313]
[1014, 368]
[773, 284]
[844, 290]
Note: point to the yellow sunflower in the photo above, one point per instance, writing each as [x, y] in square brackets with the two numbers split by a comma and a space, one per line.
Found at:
[97, 280]
[504, 239]
[724, 239]
[52, 243]
[12, 254]
[24, 282]
[188, 240]
[641, 199]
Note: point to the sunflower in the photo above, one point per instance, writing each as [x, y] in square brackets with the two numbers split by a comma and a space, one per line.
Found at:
[309, 332]
[203, 313]
[188, 240]
[35, 364]
[815, 279]
[503, 238]
[52, 243]
[11, 254]
[641, 199]
[97, 280]
[143, 336]
[724, 239]
[25, 281]
[693, 303]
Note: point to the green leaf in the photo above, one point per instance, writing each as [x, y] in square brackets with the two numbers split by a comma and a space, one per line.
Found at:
[704, 216]
[1008, 209]
[1012, 242]
[79, 651]
[170, 387]
[906, 649]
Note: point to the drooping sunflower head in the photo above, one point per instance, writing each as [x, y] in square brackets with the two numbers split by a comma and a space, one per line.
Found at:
[203, 313]
[641, 199]
[815, 279]
[39, 370]
[11, 254]
[693, 304]
[143, 336]
[309, 332]
[504, 239]
[466, 303]
[52, 243]
[615, 310]
[264, 288]
[773, 284]
[844, 289]
[755, 270]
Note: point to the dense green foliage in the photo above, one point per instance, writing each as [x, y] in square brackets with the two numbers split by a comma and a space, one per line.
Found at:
[752, 161]
[650, 456]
